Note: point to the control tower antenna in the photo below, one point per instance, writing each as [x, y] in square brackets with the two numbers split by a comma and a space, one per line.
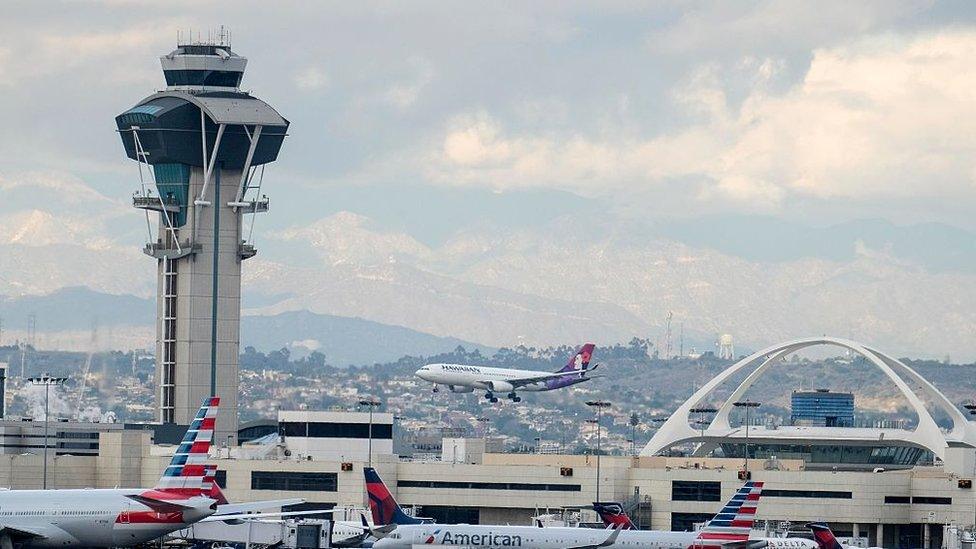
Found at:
[198, 145]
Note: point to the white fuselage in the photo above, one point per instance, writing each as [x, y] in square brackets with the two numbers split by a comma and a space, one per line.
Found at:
[502, 537]
[465, 378]
[90, 518]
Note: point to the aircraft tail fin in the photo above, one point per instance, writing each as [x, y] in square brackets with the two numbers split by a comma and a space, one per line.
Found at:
[384, 508]
[581, 360]
[734, 522]
[186, 472]
[210, 484]
[824, 536]
[612, 514]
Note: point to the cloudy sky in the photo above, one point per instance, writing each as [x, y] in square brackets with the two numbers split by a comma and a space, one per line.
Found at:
[780, 119]
[820, 111]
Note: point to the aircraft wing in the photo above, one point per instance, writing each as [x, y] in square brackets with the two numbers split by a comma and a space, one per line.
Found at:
[353, 541]
[611, 539]
[20, 532]
[522, 381]
[159, 505]
[238, 508]
[746, 544]
[256, 516]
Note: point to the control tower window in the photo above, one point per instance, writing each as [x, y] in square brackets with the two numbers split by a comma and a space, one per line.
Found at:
[226, 79]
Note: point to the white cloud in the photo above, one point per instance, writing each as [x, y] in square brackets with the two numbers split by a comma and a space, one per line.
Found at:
[405, 93]
[311, 78]
[876, 118]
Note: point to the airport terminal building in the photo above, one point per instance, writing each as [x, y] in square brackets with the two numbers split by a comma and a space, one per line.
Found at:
[883, 487]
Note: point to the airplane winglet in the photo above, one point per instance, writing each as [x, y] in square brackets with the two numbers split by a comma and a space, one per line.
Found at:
[611, 539]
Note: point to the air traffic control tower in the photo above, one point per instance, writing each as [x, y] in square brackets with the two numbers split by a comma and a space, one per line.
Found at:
[202, 146]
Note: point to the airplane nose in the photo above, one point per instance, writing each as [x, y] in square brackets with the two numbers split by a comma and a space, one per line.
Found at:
[422, 374]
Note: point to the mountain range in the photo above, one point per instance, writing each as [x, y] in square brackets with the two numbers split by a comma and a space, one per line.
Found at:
[562, 282]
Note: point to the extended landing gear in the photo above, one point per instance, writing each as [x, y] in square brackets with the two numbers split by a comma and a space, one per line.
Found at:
[491, 397]
[436, 389]
[514, 397]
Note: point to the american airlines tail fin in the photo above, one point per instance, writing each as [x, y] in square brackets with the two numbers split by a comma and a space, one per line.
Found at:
[613, 514]
[186, 471]
[824, 536]
[581, 360]
[385, 509]
[210, 484]
[734, 522]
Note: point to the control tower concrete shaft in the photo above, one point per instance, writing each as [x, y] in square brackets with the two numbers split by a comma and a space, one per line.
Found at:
[201, 146]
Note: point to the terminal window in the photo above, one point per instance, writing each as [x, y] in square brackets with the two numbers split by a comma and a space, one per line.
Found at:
[295, 482]
[455, 485]
[451, 515]
[685, 522]
[336, 430]
[688, 490]
[828, 494]
[931, 500]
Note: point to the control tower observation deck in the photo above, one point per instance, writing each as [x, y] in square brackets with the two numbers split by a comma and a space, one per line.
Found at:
[202, 145]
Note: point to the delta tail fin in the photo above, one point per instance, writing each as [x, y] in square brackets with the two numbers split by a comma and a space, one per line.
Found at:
[186, 472]
[385, 509]
[581, 360]
[612, 514]
[733, 523]
[824, 536]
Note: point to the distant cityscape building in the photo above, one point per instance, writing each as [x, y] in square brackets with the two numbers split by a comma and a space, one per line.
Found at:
[822, 408]
[726, 347]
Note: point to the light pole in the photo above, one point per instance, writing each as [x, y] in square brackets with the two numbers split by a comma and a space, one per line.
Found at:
[370, 403]
[748, 405]
[599, 405]
[46, 380]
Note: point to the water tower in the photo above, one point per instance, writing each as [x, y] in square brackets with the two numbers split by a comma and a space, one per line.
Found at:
[726, 347]
[201, 145]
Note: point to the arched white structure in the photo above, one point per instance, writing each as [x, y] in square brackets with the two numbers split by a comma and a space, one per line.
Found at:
[927, 434]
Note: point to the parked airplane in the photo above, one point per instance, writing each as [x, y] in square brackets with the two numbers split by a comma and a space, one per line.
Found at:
[113, 517]
[735, 518]
[729, 529]
[825, 539]
[462, 378]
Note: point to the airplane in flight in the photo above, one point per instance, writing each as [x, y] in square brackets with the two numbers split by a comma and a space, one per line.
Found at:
[729, 529]
[116, 517]
[463, 378]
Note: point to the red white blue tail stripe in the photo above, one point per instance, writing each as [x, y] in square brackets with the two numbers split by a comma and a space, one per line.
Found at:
[186, 471]
[734, 522]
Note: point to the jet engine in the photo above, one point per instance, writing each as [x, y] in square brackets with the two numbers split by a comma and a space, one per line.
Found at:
[461, 389]
[500, 386]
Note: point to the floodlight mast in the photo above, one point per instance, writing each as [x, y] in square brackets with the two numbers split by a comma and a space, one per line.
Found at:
[47, 380]
[200, 139]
